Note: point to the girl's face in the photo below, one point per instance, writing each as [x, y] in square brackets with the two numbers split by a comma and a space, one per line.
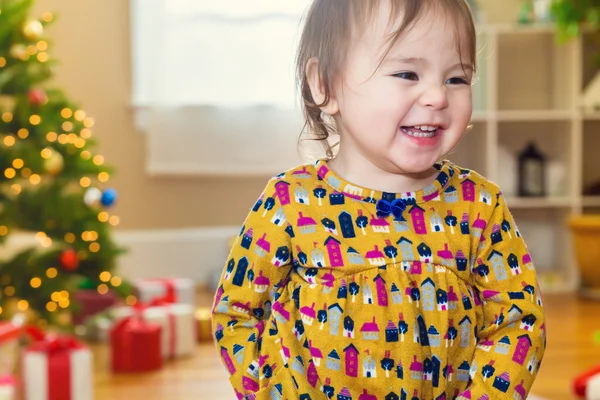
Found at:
[411, 111]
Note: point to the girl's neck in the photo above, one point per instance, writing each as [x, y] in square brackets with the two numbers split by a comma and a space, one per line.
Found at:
[359, 170]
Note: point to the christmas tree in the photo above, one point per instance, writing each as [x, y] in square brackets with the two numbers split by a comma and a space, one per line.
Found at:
[52, 185]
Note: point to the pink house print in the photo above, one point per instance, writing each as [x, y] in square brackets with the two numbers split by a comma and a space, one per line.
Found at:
[228, 361]
[351, 360]
[311, 374]
[522, 348]
[282, 189]
[315, 353]
[418, 220]
[366, 396]
[306, 224]
[307, 314]
[452, 298]
[370, 330]
[478, 226]
[416, 267]
[375, 256]
[382, 296]
[334, 251]
[468, 189]
[527, 262]
[301, 173]
[520, 391]
[379, 224]
[263, 246]
[446, 256]
[416, 369]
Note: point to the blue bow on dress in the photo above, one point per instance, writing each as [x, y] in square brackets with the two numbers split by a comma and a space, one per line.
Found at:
[395, 207]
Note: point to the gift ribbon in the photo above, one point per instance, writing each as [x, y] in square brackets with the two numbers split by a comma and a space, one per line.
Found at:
[162, 302]
[58, 350]
[7, 380]
[170, 292]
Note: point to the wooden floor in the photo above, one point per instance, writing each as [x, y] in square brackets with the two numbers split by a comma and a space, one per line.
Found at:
[572, 347]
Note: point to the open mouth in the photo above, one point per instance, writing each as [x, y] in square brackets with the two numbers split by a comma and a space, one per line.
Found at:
[421, 131]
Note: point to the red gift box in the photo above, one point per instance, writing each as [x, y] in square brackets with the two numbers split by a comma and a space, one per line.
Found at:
[136, 345]
[56, 368]
[9, 345]
[8, 386]
[89, 302]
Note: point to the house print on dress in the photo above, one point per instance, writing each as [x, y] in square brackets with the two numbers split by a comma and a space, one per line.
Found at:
[306, 225]
[478, 227]
[435, 221]
[522, 349]
[334, 252]
[464, 224]
[348, 327]
[370, 330]
[396, 294]
[451, 195]
[418, 220]
[401, 225]
[446, 256]
[465, 332]
[484, 195]
[528, 322]
[351, 355]
[382, 296]
[513, 263]
[503, 345]
[329, 226]
[335, 314]
[428, 293]
[369, 366]
[344, 394]
[240, 272]
[502, 382]
[279, 217]
[416, 369]
[498, 265]
[425, 253]
[462, 374]
[346, 225]
[282, 191]
[354, 257]
[375, 257]
[379, 225]
[333, 361]
[442, 300]
[320, 192]
[468, 190]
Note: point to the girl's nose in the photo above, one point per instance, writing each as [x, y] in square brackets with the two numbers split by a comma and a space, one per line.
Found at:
[435, 97]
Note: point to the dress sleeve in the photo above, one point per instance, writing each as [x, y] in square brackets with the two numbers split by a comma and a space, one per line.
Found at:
[257, 266]
[510, 332]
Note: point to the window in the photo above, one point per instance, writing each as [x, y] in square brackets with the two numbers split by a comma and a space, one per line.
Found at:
[213, 84]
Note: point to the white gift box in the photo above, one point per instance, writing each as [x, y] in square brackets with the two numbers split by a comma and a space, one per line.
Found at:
[177, 321]
[175, 290]
[7, 388]
[49, 375]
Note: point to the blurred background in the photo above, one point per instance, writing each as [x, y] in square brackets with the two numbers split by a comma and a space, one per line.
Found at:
[193, 106]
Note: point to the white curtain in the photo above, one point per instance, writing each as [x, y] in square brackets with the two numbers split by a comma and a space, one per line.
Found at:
[213, 84]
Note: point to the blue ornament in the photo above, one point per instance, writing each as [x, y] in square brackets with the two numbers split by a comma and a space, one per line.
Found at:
[108, 197]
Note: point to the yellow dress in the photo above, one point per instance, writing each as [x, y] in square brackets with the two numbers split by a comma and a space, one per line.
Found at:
[335, 291]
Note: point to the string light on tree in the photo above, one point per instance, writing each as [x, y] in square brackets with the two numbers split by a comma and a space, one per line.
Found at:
[69, 260]
[33, 29]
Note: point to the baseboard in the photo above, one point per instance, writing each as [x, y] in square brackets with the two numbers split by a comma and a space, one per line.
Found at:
[196, 253]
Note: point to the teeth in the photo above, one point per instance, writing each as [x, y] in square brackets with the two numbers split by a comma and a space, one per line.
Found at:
[429, 128]
[419, 132]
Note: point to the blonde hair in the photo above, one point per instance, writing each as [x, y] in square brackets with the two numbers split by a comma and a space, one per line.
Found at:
[329, 28]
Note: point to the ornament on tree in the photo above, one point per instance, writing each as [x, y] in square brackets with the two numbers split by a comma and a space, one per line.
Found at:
[69, 260]
[55, 163]
[37, 97]
[109, 197]
[18, 51]
[92, 196]
[33, 29]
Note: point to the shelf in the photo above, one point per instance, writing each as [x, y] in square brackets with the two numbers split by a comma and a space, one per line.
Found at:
[539, 202]
[591, 116]
[554, 282]
[535, 115]
[591, 201]
[480, 116]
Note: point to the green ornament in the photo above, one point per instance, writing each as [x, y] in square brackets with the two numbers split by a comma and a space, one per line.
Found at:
[86, 283]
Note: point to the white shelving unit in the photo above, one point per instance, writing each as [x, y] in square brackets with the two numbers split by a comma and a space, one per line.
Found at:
[529, 89]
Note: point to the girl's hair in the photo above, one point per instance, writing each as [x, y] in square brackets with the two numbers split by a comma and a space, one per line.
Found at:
[329, 28]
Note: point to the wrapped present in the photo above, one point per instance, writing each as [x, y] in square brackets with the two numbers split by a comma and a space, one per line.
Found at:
[203, 324]
[9, 346]
[170, 290]
[179, 333]
[8, 386]
[56, 368]
[176, 320]
[135, 345]
[89, 302]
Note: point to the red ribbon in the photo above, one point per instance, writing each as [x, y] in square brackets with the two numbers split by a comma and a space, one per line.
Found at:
[7, 380]
[162, 302]
[58, 351]
[170, 292]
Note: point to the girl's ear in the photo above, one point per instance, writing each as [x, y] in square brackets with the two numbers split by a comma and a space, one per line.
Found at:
[317, 88]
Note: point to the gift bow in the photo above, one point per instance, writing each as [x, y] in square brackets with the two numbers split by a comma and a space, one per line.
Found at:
[395, 207]
[51, 343]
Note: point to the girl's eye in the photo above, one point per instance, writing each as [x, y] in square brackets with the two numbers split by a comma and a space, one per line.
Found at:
[411, 76]
[457, 81]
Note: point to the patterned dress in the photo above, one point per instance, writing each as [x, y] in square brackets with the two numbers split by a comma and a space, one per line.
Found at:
[336, 291]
